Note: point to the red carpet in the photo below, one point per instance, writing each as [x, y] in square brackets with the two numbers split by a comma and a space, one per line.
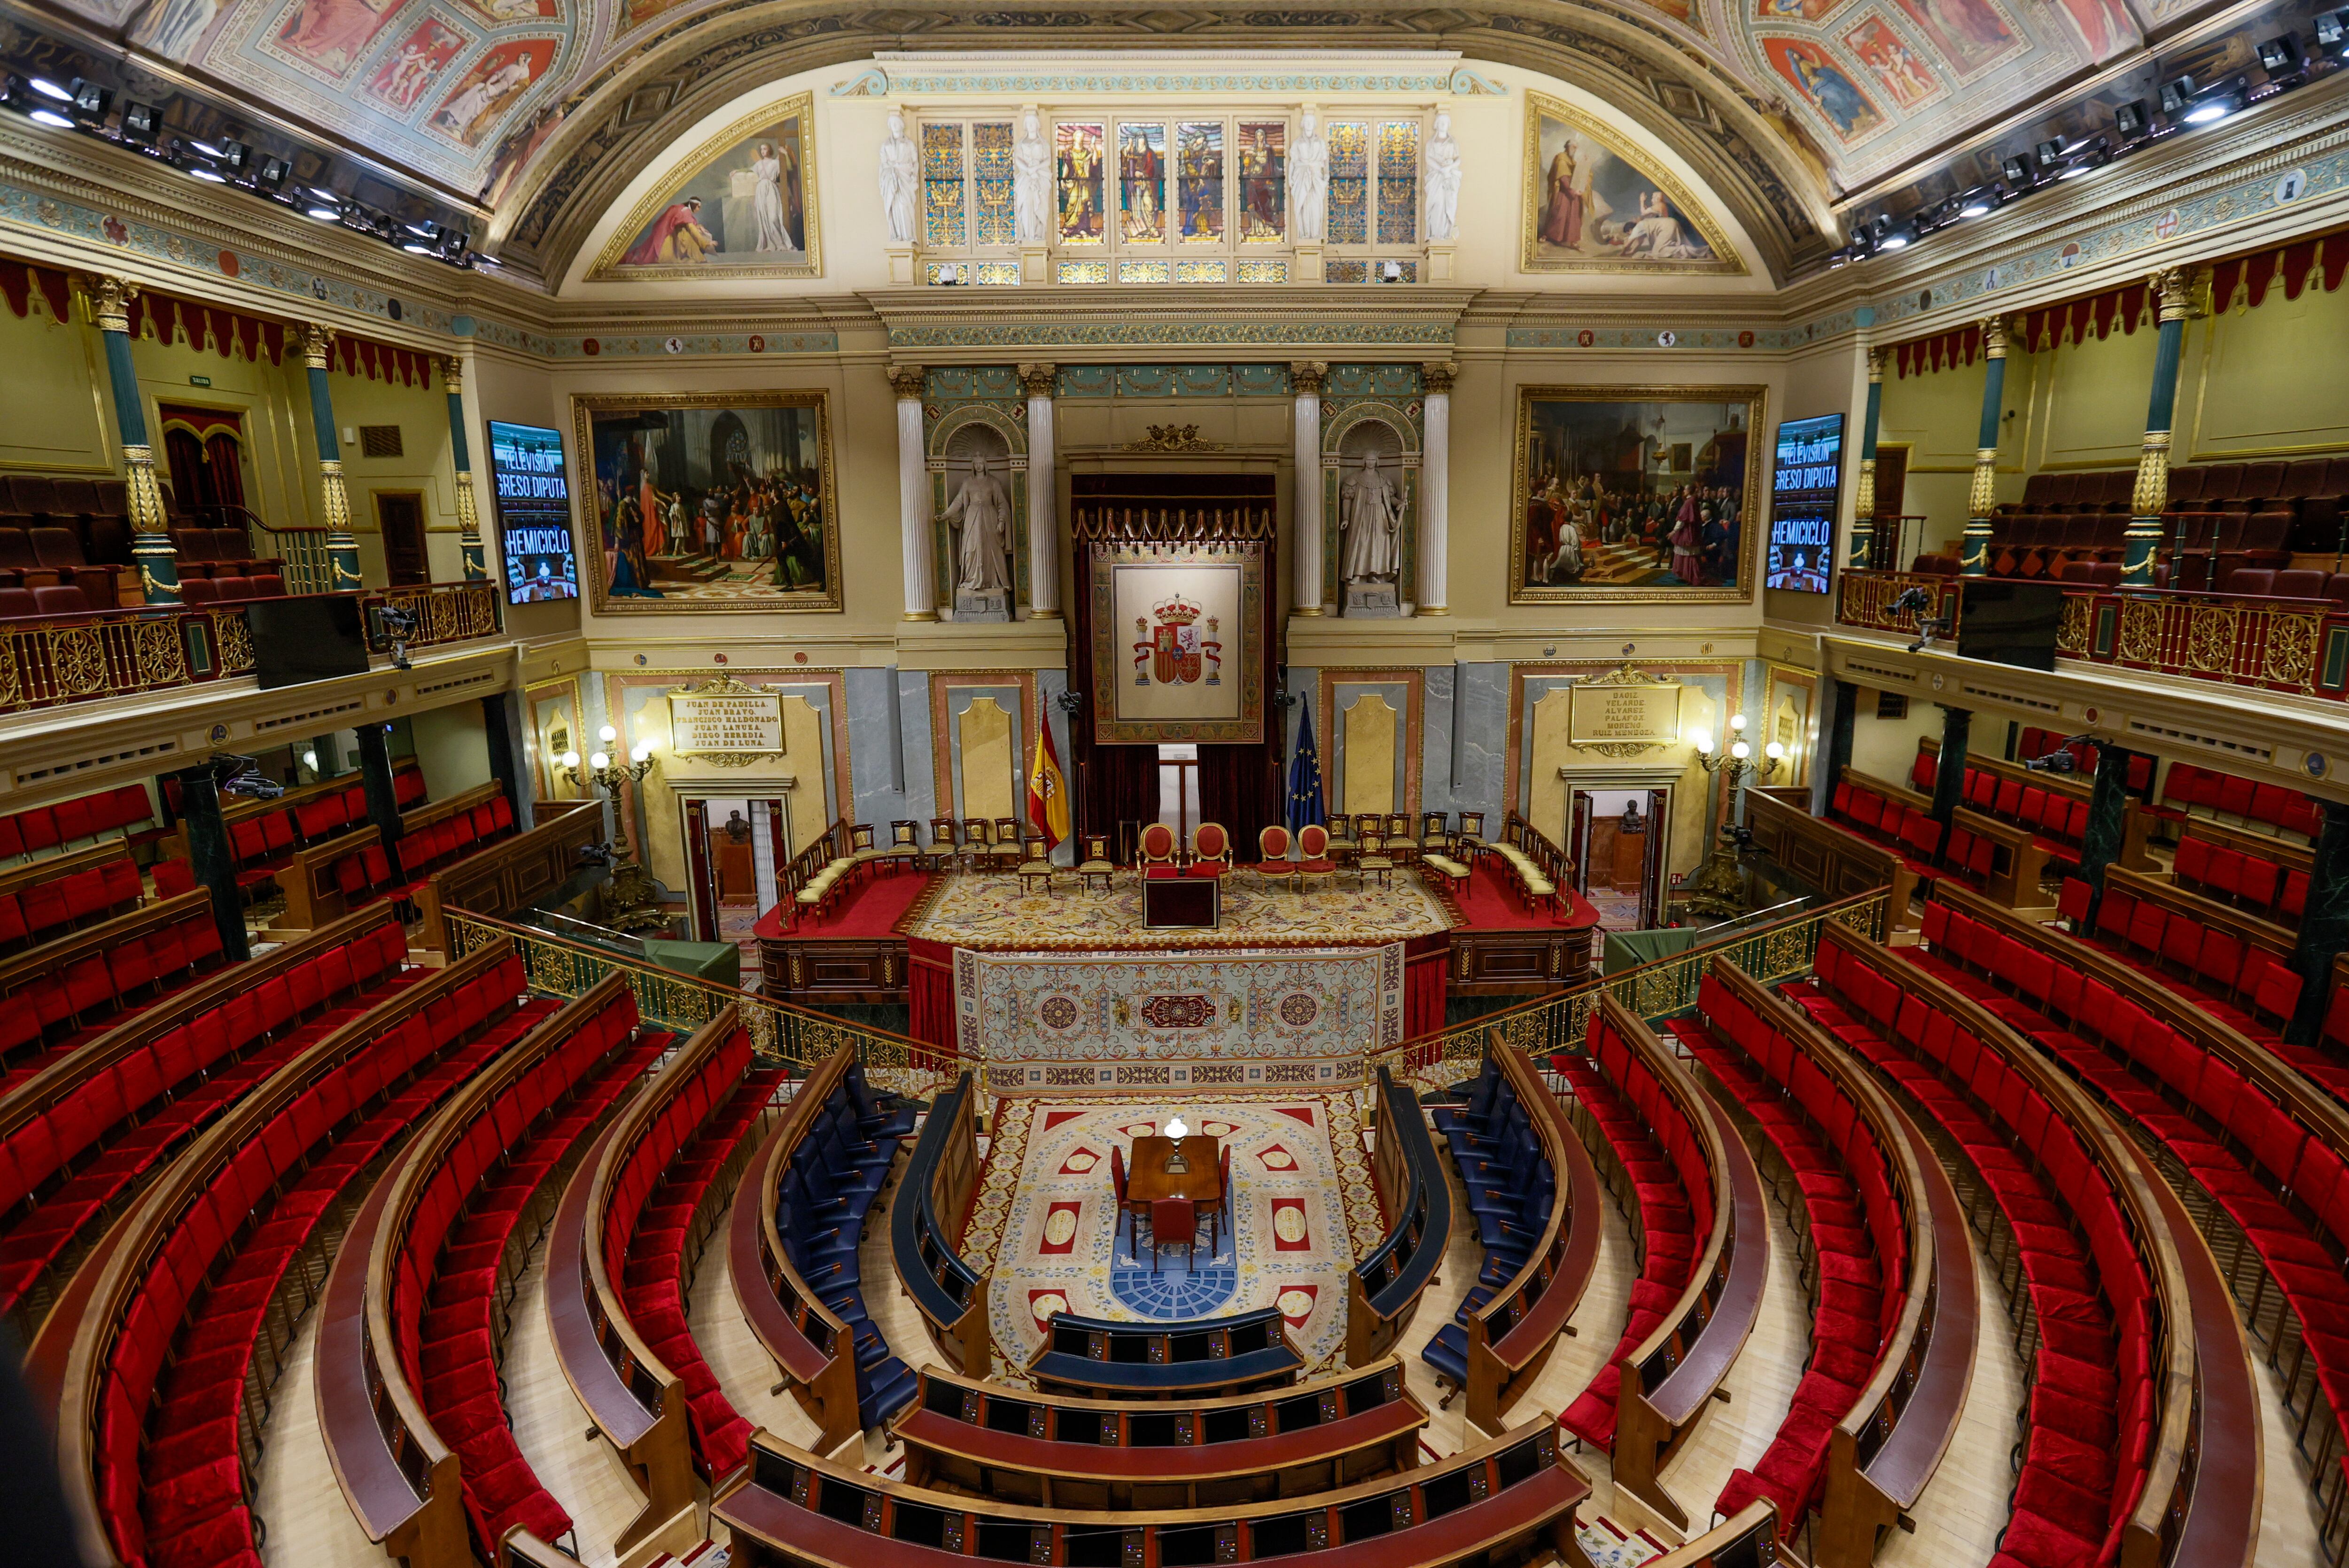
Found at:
[1491, 902]
[870, 908]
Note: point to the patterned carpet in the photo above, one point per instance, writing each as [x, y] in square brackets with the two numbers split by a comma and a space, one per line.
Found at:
[1046, 1222]
[993, 912]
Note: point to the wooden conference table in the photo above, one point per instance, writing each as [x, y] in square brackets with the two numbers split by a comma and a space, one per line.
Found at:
[1147, 1180]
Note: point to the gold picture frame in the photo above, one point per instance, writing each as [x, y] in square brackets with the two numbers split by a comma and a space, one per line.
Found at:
[1631, 590]
[610, 266]
[597, 513]
[1722, 261]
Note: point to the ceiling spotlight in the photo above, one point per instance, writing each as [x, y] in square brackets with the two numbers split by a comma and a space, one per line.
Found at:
[453, 246]
[2280, 55]
[90, 100]
[2177, 96]
[1974, 202]
[2131, 121]
[238, 156]
[207, 173]
[140, 123]
[2215, 104]
[195, 144]
[2332, 30]
[325, 211]
[1838, 258]
[269, 178]
[2050, 153]
[416, 248]
[1897, 239]
[324, 193]
[49, 89]
[2088, 160]
[2017, 172]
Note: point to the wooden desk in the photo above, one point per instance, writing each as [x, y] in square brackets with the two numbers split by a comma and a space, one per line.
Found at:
[1147, 1180]
[1180, 904]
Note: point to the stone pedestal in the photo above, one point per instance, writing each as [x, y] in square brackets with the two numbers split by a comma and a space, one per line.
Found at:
[1308, 264]
[1372, 601]
[1031, 265]
[900, 263]
[1439, 264]
[970, 607]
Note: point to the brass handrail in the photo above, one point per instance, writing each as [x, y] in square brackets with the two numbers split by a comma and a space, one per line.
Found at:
[798, 1037]
[1654, 991]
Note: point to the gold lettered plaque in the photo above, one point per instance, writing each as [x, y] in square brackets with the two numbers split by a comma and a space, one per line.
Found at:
[1624, 708]
[724, 718]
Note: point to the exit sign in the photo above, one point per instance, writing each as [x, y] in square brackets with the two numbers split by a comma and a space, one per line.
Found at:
[200, 380]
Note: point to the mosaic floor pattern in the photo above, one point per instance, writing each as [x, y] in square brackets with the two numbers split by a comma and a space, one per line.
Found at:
[993, 912]
[1046, 1221]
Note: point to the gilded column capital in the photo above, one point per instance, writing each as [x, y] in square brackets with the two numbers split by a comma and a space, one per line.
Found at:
[109, 303]
[1439, 374]
[1874, 363]
[1305, 376]
[905, 381]
[2174, 286]
[452, 375]
[1994, 337]
[1039, 380]
[318, 345]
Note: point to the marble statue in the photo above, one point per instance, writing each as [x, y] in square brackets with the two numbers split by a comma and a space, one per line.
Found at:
[1032, 179]
[1370, 527]
[1442, 181]
[981, 512]
[1308, 181]
[901, 180]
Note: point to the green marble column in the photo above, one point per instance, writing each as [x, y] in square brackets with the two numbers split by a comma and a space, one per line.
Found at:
[469, 515]
[1834, 743]
[1982, 498]
[151, 550]
[382, 797]
[501, 733]
[211, 860]
[2108, 804]
[335, 495]
[1950, 778]
[2142, 542]
[2323, 925]
[1863, 508]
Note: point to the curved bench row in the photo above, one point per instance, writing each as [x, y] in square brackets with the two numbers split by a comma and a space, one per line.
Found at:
[44, 900]
[1501, 1501]
[1094, 1357]
[628, 1235]
[2109, 1467]
[62, 995]
[440, 1251]
[1382, 1291]
[77, 1139]
[792, 1245]
[1703, 1230]
[926, 1229]
[169, 1337]
[1886, 1257]
[1060, 1452]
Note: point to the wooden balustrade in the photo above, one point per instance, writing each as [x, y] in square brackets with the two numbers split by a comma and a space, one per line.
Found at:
[1829, 856]
[2019, 860]
[926, 1227]
[506, 879]
[1100, 1359]
[1382, 1291]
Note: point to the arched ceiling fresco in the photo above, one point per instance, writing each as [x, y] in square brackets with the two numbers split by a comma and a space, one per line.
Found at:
[543, 107]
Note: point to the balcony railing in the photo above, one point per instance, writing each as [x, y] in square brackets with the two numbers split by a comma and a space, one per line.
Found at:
[2298, 645]
[49, 661]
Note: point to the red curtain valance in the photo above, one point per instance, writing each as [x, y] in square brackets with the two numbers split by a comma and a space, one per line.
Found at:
[2324, 258]
[382, 361]
[2096, 316]
[228, 332]
[20, 281]
[1937, 351]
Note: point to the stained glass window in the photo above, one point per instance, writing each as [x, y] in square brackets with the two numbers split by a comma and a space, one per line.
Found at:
[1350, 184]
[1264, 182]
[1078, 176]
[990, 160]
[1142, 183]
[1398, 182]
[942, 194]
[1199, 180]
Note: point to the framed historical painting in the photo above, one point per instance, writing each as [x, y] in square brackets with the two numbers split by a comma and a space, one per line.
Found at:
[742, 206]
[722, 502]
[1590, 206]
[1178, 643]
[1636, 493]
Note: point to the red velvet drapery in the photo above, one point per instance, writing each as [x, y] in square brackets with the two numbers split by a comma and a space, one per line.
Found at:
[930, 994]
[1425, 959]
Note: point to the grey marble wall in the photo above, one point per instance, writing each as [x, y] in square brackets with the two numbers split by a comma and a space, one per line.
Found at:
[889, 763]
[1466, 740]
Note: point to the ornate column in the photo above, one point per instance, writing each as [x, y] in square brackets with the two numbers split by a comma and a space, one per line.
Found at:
[1044, 495]
[2323, 925]
[1305, 379]
[1435, 489]
[1949, 777]
[212, 859]
[150, 546]
[2175, 287]
[1973, 554]
[914, 496]
[342, 550]
[2108, 797]
[1863, 508]
[469, 515]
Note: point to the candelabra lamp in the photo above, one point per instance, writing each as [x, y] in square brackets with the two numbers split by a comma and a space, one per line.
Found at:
[1717, 890]
[631, 900]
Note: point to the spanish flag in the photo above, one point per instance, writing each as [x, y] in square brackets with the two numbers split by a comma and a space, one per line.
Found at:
[1048, 791]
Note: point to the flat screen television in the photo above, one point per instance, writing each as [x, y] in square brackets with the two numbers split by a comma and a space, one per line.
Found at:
[2009, 622]
[314, 637]
[1805, 487]
[534, 499]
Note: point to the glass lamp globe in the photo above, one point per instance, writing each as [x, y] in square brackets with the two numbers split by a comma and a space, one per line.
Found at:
[607, 734]
[598, 761]
[1741, 751]
[1177, 1131]
[1704, 744]
[1775, 752]
[1737, 722]
[570, 759]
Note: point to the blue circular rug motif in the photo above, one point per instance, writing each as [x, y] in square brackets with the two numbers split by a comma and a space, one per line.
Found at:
[1176, 1291]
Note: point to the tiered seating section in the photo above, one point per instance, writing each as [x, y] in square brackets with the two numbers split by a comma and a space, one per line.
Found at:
[1233, 1354]
[2096, 1400]
[43, 829]
[69, 537]
[477, 1189]
[2187, 790]
[81, 1137]
[1512, 1191]
[44, 898]
[926, 1229]
[263, 835]
[58, 996]
[2268, 883]
[2255, 515]
[1853, 1238]
[2055, 815]
[182, 1330]
[659, 1217]
[1902, 822]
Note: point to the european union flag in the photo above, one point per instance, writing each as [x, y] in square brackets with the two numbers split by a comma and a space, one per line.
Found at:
[1305, 778]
